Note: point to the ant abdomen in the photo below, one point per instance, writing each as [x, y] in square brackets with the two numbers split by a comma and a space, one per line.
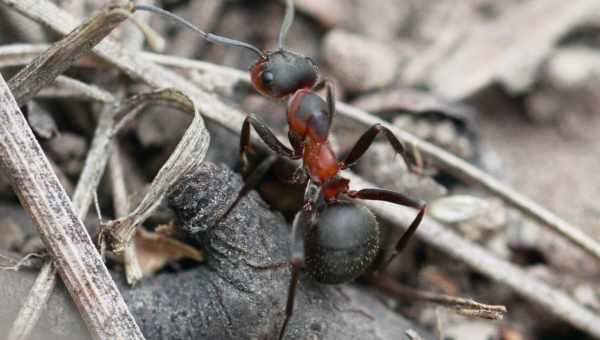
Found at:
[342, 244]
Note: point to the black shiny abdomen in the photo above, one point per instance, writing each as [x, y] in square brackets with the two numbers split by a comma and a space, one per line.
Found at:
[342, 244]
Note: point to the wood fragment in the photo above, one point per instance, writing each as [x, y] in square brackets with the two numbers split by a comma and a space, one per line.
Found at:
[76, 258]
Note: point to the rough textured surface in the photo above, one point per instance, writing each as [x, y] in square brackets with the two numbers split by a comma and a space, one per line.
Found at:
[228, 297]
[235, 292]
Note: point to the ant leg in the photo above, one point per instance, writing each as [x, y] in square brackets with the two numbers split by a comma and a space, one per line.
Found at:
[259, 172]
[330, 97]
[397, 198]
[367, 139]
[250, 183]
[302, 221]
[266, 135]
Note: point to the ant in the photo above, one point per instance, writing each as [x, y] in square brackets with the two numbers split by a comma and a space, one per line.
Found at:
[334, 239]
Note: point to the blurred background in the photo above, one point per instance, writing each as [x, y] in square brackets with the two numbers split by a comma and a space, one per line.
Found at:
[511, 86]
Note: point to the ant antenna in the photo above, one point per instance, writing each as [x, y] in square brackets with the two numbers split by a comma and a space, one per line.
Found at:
[217, 39]
[287, 22]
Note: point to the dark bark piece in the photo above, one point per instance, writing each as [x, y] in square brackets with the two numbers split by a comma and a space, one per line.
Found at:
[228, 297]
[242, 298]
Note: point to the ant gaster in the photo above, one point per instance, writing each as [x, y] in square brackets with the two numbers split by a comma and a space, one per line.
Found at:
[334, 239]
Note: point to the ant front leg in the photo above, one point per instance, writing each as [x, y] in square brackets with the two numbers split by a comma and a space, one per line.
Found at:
[259, 172]
[251, 182]
[267, 136]
[367, 139]
[303, 220]
[397, 198]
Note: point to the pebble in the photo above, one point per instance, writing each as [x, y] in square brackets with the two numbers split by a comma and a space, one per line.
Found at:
[358, 62]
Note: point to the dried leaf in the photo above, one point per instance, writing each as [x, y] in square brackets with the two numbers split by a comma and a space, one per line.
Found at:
[190, 152]
[155, 250]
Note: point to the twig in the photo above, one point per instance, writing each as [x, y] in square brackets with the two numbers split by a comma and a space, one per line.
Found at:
[462, 306]
[133, 271]
[45, 281]
[20, 54]
[434, 233]
[41, 194]
[87, 185]
[25, 261]
[95, 165]
[60, 56]
[47, 66]
[65, 87]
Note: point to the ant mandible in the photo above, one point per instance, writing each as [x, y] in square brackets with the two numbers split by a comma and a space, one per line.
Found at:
[334, 239]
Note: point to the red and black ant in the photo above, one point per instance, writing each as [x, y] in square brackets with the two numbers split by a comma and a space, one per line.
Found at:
[334, 239]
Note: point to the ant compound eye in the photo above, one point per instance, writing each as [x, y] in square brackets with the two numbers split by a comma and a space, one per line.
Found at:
[267, 77]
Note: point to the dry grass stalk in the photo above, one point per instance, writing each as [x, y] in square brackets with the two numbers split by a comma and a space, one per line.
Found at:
[464, 306]
[44, 283]
[75, 256]
[189, 152]
[60, 56]
[65, 87]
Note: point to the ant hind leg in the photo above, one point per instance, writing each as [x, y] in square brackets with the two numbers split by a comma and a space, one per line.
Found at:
[397, 198]
[302, 221]
[365, 141]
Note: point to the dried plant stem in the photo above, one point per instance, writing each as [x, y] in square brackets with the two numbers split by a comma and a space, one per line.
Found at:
[189, 152]
[462, 306]
[89, 179]
[65, 87]
[79, 264]
[61, 55]
[25, 261]
[31, 311]
[133, 271]
[39, 73]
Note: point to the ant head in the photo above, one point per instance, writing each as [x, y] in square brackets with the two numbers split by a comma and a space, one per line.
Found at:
[342, 244]
[282, 73]
[275, 74]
